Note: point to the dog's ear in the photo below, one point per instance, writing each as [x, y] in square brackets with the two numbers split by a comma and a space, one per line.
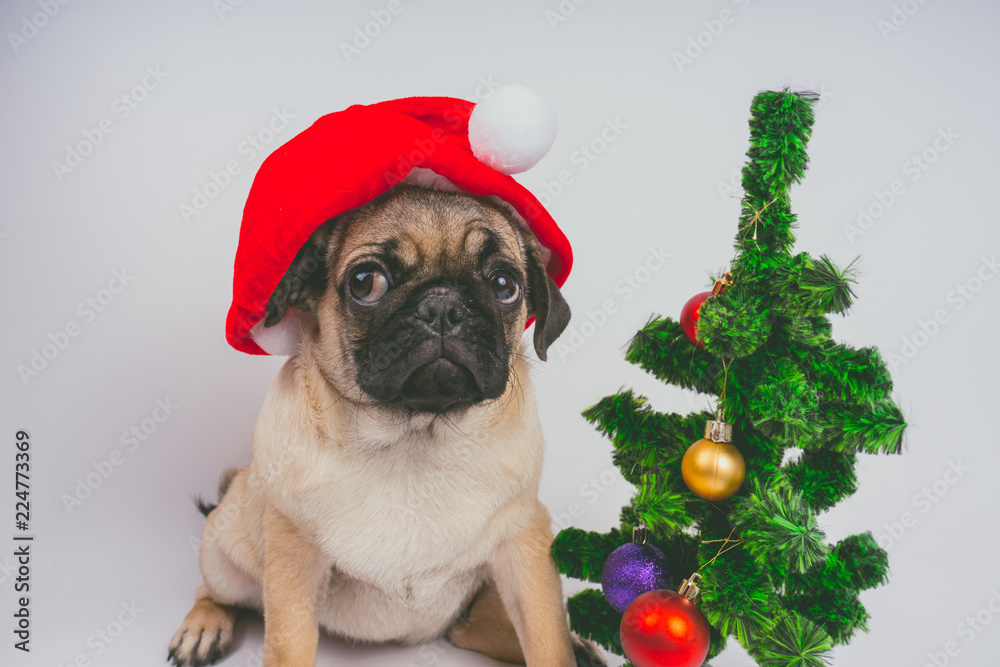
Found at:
[544, 300]
[305, 280]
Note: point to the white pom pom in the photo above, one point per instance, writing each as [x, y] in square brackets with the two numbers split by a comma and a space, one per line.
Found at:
[512, 129]
[284, 337]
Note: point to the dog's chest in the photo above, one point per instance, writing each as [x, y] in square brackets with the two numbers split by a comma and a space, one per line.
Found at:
[410, 517]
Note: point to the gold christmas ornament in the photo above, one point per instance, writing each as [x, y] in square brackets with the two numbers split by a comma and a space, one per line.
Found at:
[712, 467]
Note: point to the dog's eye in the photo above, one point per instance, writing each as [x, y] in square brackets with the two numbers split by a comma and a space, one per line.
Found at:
[368, 284]
[504, 286]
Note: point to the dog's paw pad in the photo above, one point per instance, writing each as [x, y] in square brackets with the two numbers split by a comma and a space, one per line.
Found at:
[586, 652]
[205, 636]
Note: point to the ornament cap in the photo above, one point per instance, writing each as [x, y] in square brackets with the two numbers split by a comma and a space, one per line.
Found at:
[689, 588]
[639, 533]
[718, 430]
[722, 283]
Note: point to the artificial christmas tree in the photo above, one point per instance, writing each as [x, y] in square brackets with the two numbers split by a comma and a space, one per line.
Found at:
[764, 347]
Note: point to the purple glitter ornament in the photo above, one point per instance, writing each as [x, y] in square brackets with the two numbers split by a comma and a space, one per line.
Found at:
[631, 570]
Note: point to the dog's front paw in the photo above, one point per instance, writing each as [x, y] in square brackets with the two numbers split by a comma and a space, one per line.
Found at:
[205, 636]
[586, 652]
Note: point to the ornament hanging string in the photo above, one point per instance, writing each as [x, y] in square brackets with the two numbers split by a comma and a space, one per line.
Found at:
[689, 588]
[723, 549]
[725, 381]
[756, 214]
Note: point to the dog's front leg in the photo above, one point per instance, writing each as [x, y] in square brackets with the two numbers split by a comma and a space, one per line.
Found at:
[292, 575]
[528, 581]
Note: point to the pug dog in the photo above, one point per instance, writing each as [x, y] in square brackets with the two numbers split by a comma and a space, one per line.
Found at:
[392, 494]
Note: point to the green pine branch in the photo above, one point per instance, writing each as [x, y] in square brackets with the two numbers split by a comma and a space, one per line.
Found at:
[844, 374]
[591, 616]
[784, 404]
[581, 554]
[873, 429]
[644, 439]
[822, 477]
[814, 287]
[794, 641]
[737, 597]
[664, 505]
[838, 612]
[779, 530]
[661, 348]
[805, 333]
[780, 127]
[733, 324]
[856, 563]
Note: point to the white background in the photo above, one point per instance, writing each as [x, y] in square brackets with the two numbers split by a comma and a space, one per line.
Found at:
[661, 183]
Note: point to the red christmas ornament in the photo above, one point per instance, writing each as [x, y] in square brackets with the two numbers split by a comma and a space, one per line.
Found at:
[692, 309]
[665, 629]
[689, 316]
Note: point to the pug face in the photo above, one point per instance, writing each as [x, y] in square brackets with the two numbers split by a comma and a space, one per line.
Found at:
[421, 298]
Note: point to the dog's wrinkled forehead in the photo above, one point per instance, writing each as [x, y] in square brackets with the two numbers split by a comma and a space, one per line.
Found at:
[433, 233]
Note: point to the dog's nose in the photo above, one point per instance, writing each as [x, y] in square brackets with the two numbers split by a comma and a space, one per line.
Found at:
[441, 313]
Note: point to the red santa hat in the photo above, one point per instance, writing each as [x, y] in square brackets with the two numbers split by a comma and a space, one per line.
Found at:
[348, 158]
